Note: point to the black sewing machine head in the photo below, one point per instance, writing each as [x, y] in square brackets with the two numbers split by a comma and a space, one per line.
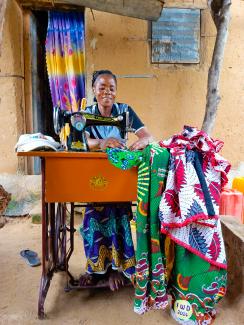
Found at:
[70, 126]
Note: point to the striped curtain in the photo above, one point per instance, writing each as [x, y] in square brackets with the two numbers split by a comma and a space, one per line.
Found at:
[66, 59]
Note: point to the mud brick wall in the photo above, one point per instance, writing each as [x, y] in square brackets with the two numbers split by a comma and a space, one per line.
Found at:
[233, 232]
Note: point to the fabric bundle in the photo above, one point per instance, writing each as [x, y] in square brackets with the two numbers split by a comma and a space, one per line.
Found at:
[189, 207]
[189, 215]
[180, 249]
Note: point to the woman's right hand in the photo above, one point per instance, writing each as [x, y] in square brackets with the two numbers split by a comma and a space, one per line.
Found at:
[111, 143]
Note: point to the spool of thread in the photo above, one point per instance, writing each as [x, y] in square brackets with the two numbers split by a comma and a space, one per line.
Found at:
[83, 104]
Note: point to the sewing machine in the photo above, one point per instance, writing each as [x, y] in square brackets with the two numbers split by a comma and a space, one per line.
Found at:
[70, 126]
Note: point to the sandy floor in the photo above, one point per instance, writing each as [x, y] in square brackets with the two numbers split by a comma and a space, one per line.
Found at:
[19, 285]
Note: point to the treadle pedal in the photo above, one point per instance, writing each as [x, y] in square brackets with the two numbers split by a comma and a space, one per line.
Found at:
[74, 285]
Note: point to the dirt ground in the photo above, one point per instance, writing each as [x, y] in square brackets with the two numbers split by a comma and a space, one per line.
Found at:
[19, 286]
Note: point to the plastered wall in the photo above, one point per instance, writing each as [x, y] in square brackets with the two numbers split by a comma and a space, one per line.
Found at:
[11, 90]
[166, 97]
[170, 96]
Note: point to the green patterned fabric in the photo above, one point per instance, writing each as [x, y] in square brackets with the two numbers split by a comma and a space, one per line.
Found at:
[150, 284]
[149, 280]
[124, 158]
[196, 286]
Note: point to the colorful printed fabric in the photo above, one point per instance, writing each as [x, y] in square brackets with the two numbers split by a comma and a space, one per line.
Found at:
[123, 158]
[189, 206]
[195, 286]
[163, 266]
[107, 239]
[149, 280]
[65, 58]
[150, 277]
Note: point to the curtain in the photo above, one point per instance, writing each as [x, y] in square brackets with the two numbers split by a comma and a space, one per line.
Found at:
[66, 58]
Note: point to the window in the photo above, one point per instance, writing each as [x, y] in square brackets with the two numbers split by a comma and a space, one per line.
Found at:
[176, 36]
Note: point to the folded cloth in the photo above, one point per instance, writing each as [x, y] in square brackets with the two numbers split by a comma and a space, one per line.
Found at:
[36, 141]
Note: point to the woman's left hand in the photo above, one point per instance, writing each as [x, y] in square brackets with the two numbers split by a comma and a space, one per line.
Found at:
[140, 144]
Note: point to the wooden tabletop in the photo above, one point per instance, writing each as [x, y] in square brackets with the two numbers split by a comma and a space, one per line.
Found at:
[84, 177]
[66, 154]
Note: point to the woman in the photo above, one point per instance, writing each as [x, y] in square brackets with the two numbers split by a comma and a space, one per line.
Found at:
[106, 229]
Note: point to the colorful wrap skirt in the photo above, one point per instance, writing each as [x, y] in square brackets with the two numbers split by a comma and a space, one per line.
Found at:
[107, 238]
[195, 286]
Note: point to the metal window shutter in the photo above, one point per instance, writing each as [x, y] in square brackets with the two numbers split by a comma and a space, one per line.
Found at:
[176, 36]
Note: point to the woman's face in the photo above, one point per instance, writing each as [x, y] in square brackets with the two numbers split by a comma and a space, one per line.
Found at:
[105, 90]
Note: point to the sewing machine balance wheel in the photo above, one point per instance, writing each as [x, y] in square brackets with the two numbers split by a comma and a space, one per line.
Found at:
[56, 119]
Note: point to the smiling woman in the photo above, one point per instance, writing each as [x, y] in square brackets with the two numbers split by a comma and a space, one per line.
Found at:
[104, 85]
[106, 228]
[104, 88]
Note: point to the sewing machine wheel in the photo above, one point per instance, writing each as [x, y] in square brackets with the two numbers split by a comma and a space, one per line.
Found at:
[60, 236]
[56, 119]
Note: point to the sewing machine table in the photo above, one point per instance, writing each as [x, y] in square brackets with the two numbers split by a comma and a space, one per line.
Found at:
[67, 178]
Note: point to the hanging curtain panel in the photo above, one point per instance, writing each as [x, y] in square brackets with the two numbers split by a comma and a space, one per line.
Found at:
[65, 54]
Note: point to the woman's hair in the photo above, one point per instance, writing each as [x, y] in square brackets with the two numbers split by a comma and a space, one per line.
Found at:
[98, 73]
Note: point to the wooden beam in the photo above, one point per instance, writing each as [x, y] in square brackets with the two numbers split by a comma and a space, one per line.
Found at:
[28, 83]
[48, 5]
[221, 18]
[143, 9]
[190, 4]
[27, 70]
[3, 5]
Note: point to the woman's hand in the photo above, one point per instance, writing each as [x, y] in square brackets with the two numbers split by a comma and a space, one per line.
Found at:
[140, 144]
[111, 143]
[144, 138]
